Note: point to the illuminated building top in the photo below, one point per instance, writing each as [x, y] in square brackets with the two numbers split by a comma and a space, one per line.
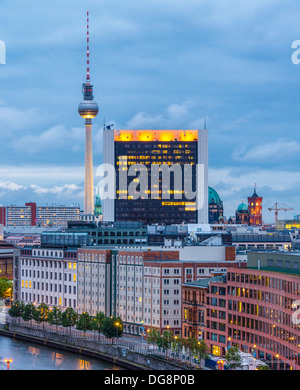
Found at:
[155, 135]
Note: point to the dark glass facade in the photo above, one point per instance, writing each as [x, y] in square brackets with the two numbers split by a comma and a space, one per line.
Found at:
[166, 208]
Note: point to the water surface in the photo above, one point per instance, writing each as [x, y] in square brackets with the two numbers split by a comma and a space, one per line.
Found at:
[30, 356]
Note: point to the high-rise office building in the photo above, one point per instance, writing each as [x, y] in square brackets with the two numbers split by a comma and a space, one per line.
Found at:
[160, 176]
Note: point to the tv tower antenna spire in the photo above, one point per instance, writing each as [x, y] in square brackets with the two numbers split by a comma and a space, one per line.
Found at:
[87, 49]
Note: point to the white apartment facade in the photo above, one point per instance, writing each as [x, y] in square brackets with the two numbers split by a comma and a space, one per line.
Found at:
[57, 215]
[18, 216]
[46, 275]
[94, 274]
[142, 287]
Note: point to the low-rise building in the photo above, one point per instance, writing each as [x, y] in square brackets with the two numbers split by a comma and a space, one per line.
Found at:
[48, 273]
[252, 308]
[6, 259]
[143, 286]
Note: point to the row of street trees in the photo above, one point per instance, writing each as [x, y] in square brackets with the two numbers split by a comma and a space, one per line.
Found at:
[108, 326]
[112, 327]
[166, 340]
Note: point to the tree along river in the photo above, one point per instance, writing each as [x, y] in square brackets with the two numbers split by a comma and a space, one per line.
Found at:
[26, 355]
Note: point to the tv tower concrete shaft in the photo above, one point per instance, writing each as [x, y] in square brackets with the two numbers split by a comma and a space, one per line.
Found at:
[89, 180]
[88, 109]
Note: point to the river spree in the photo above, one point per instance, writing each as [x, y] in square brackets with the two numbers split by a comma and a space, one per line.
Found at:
[26, 355]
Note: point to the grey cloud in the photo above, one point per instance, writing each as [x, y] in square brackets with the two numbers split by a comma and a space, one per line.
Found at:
[276, 151]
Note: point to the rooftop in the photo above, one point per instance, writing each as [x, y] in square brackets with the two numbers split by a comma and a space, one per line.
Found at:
[204, 283]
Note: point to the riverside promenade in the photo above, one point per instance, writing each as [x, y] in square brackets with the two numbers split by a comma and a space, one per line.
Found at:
[125, 352]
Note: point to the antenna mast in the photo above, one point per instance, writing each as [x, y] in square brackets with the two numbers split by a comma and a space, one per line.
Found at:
[87, 50]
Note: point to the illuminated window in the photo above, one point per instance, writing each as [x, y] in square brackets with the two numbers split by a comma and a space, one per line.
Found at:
[216, 350]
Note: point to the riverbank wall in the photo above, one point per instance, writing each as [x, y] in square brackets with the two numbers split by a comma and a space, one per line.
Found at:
[115, 354]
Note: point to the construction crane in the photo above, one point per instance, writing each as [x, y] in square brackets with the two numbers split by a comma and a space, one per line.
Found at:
[279, 206]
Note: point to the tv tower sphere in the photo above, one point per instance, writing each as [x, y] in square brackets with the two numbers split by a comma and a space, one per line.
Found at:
[88, 109]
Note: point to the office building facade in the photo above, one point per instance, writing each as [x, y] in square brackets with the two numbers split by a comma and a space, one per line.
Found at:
[46, 275]
[43, 216]
[177, 193]
[254, 308]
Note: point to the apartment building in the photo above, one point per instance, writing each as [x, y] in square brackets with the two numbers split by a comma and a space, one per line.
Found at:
[254, 308]
[142, 286]
[44, 216]
[46, 275]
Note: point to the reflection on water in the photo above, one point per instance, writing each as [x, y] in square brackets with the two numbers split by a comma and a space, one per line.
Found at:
[33, 350]
[57, 358]
[30, 356]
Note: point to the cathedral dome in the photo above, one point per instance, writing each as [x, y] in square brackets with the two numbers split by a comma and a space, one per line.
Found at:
[242, 208]
[213, 197]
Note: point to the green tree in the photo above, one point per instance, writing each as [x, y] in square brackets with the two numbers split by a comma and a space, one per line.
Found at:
[177, 344]
[84, 322]
[97, 323]
[202, 351]
[69, 317]
[233, 358]
[6, 286]
[166, 339]
[263, 367]
[153, 336]
[54, 316]
[28, 312]
[112, 327]
[16, 309]
[40, 314]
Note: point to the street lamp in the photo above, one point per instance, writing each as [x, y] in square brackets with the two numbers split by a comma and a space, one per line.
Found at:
[228, 342]
[116, 325]
[8, 361]
[142, 330]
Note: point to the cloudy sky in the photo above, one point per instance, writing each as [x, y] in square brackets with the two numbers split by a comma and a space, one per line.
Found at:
[154, 64]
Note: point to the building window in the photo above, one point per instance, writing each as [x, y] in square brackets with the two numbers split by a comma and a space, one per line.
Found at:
[270, 263]
[279, 263]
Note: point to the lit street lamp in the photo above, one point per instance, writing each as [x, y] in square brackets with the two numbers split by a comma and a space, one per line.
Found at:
[8, 361]
[116, 329]
[142, 330]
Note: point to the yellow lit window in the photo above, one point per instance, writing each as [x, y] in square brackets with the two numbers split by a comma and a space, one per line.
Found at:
[70, 265]
[239, 306]
[74, 266]
[216, 351]
[74, 277]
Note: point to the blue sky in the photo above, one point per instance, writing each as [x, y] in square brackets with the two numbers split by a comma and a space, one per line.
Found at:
[154, 64]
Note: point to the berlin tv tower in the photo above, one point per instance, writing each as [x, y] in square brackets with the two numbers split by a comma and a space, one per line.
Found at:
[88, 109]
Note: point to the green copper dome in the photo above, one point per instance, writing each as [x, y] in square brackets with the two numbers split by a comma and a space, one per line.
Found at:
[213, 197]
[242, 208]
